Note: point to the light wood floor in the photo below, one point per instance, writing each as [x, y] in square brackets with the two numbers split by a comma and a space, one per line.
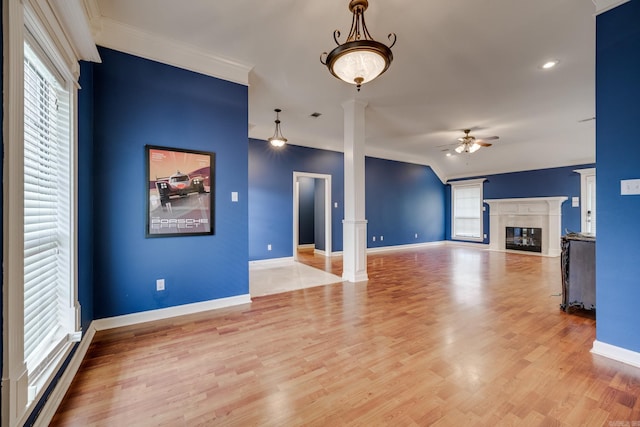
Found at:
[448, 336]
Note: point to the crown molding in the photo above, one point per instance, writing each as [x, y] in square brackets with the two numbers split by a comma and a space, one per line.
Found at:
[605, 5]
[75, 22]
[124, 38]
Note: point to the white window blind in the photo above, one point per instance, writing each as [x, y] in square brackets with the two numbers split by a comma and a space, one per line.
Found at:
[467, 211]
[47, 208]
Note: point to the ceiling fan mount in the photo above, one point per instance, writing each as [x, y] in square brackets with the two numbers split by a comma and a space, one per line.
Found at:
[471, 144]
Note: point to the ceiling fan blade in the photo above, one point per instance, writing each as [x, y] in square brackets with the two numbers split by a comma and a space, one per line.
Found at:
[483, 144]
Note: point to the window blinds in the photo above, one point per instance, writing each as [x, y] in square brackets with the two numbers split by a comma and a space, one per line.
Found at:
[47, 203]
[467, 211]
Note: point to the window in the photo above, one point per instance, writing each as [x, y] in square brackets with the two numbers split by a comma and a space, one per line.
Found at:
[40, 303]
[466, 209]
[47, 212]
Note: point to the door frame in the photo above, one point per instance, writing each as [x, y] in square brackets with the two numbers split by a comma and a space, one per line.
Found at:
[585, 174]
[327, 209]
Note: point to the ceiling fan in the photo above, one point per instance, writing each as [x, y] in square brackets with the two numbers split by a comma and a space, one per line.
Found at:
[469, 143]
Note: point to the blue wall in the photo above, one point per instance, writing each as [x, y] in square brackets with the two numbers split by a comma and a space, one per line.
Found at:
[402, 200]
[138, 102]
[319, 214]
[306, 207]
[617, 110]
[534, 183]
[271, 195]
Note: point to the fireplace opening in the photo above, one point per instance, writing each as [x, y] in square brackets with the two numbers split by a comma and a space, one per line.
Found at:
[524, 239]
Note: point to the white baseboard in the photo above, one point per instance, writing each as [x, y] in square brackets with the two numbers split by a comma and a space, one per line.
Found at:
[272, 262]
[478, 245]
[404, 247]
[55, 398]
[308, 246]
[616, 353]
[165, 313]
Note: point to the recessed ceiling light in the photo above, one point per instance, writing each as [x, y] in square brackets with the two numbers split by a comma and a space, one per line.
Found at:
[448, 154]
[550, 64]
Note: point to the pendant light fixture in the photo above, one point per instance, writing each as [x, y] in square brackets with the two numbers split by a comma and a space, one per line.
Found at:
[360, 59]
[277, 140]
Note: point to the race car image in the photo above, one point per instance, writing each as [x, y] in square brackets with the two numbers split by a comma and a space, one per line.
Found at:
[178, 184]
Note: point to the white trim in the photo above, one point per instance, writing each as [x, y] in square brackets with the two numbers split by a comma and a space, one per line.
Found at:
[275, 262]
[134, 41]
[552, 199]
[56, 396]
[14, 372]
[166, 313]
[605, 5]
[467, 183]
[272, 262]
[584, 174]
[75, 20]
[410, 246]
[328, 244]
[478, 245]
[307, 246]
[616, 353]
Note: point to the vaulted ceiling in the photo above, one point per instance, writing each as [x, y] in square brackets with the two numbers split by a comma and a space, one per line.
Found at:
[457, 64]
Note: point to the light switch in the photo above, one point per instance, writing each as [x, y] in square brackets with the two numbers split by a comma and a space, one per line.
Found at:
[629, 186]
[575, 202]
[335, 204]
[234, 196]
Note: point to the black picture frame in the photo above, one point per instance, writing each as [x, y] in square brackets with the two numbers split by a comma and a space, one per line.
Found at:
[180, 192]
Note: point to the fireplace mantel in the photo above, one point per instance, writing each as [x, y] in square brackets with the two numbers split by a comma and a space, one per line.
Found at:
[534, 212]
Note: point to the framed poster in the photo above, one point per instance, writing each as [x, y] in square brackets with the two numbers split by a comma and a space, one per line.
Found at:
[180, 192]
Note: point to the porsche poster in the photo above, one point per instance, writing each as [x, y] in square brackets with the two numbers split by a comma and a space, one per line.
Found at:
[180, 192]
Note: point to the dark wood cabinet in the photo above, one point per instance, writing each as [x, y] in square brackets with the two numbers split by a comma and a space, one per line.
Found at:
[578, 262]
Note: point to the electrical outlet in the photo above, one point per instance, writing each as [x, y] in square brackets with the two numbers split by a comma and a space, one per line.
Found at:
[374, 238]
[381, 238]
[416, 236]
[160, 285]
[269, 247]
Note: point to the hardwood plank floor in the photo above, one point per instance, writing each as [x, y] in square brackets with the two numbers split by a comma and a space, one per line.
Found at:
[440, 336]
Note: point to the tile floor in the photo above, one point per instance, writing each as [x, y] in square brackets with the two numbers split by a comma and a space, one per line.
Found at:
[267, 278]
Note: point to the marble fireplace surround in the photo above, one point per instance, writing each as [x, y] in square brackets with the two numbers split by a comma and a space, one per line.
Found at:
[534, 212]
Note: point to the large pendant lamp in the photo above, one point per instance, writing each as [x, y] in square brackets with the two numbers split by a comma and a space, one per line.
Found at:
[360, 59]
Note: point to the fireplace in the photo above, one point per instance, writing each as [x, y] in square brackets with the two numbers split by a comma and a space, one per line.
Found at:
[541, 213]
[527, 239]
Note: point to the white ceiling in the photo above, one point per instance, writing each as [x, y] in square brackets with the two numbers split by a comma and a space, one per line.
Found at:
[457, 64]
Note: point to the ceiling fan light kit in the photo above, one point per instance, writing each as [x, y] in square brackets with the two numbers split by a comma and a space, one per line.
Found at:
[469, 143]
[360, 59]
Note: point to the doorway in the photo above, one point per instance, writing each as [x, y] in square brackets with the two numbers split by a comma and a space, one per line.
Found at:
[321, 187]
[587, 200]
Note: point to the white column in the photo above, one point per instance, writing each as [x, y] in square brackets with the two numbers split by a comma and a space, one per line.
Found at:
[354, 233]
